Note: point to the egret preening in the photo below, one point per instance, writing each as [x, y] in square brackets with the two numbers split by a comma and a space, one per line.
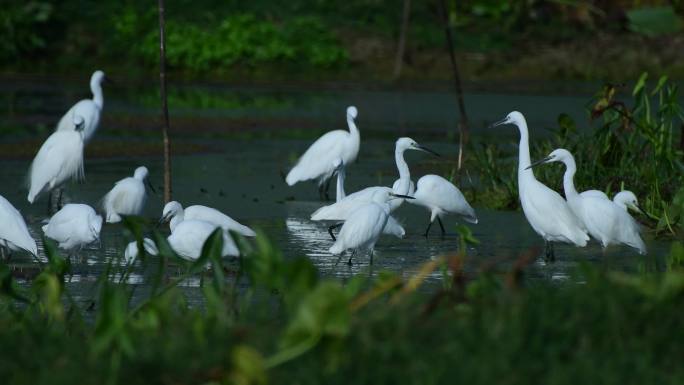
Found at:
[59, 159]
[14, 234]
[364, 225]
[131, 252]
[127, 197]
[441, 197]
[627, 200]
[188, 237]
[74, 226]
[317, 161]
[339, 211]
[546, 211]
[605, 221]
[88, 109]
[174, 212]
[341, 173]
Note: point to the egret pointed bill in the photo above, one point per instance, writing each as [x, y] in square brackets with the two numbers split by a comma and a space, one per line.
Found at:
[537, 163]
[149, 184]
[164, 219]
[425, 149]
[401, 196]
[499, 122]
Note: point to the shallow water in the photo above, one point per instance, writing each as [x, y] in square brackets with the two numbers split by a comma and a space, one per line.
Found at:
[244, 180]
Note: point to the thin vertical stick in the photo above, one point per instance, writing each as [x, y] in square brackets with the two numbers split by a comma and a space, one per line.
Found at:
[463, 122]
[165, 107]
[402, 38]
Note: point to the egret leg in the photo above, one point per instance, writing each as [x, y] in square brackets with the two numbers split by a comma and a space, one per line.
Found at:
[371, 256]
[427, 230]
[333, 227]
[549, 255]
[349, 262]
[441, 226]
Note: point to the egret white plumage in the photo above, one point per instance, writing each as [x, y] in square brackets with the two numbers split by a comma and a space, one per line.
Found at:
[605, 221]
[546, 211]
[364, 225]
[74, 226]
[442, 197]
[339, 211]
[127, 197]
[317, 161]
[88, 109]
[174, 212]
[59, 159]
[14, 234]
[189, 236]
[131, 252]
[393, 227]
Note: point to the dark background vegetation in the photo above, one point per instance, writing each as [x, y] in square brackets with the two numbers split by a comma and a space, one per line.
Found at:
[355, 39]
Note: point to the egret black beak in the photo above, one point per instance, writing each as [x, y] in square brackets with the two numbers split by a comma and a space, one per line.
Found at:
[163, 219]
[108, 80]
[149, 184]
[422, 148]
[500, 122]
[401, 196]
[540, 161]
[638, 209]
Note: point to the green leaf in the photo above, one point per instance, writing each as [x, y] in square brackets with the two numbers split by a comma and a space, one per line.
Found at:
[653, 21]
[640, 84]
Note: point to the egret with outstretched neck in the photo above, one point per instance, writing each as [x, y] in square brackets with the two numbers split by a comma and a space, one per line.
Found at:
[89, 109]
[340, 210]
[546, 211]
[605, 221]
[317, 161]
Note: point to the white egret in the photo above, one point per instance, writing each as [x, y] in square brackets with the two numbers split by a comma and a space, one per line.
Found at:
[339, 211]
[127, 197]
[14, 234]
[59, 159]
[627, 200]
[317, 161]
[131, 252]
[88, 109]
[188, 237]
[364, 225]
[393, 227]
[74, 226]
[441, 197]
[605, 221]
[546, 211]
[174, 212]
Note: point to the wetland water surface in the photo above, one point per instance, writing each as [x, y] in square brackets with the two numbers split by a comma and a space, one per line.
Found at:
[244, 179]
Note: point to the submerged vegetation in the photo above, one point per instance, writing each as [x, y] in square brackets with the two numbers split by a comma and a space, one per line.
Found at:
[266, 319]
[633, 145]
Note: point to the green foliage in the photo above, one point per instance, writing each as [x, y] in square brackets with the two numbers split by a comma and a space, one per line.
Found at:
[654, 21]
[21, 28]
[283, 325]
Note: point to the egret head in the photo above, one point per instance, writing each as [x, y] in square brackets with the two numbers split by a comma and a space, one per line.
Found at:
[171, 209]
[557, 155]
[95, 222]
[79, 123]
[352, 112]
[514, 117]
[627, 200]
[140, 173]
[97, 78]
[405, 143]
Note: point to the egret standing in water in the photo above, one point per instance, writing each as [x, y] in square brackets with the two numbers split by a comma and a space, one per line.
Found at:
[605, 221]
[127, 197]
[317, 161]
[393, 227]
[340, 210]
[14, 234]
[131, 252]
[441, 197]
[546, 211]
[88, 109]
[74, 226]
[189, 236]
[364, 225]
[59, 159]
[175, 214]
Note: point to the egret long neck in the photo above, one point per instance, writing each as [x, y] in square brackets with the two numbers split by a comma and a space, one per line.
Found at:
[340, 185]
[354, 135]
[96, 88]
[568, 183]
[404, 174]
[524, 152]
